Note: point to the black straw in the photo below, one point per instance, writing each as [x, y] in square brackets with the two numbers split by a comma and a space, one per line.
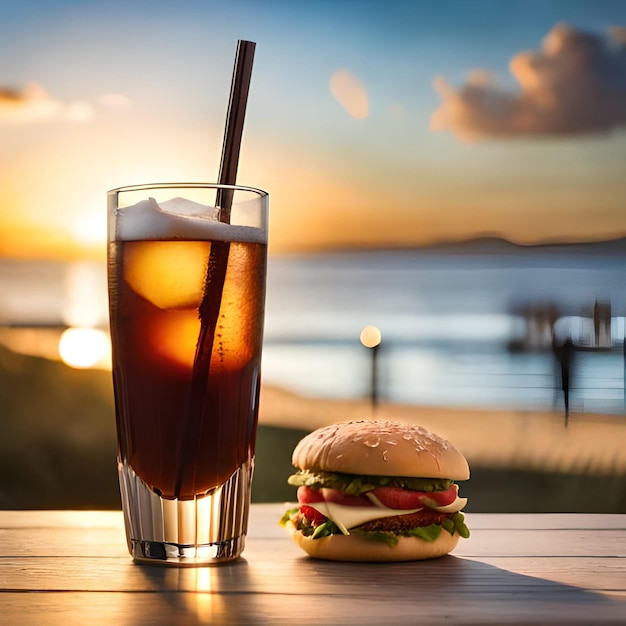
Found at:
[209, 310]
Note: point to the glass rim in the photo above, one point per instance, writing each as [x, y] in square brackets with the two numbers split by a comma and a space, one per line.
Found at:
[147, 186]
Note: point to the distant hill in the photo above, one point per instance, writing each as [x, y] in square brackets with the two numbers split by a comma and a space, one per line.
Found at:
[499, 245]
[494, 245]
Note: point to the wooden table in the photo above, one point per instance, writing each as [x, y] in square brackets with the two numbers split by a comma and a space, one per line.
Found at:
[73, 568]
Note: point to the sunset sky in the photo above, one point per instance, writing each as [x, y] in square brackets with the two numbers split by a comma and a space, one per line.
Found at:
[369, 122]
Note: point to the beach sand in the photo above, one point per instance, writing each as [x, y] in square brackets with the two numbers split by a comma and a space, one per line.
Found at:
[488, 438]
[520, 461]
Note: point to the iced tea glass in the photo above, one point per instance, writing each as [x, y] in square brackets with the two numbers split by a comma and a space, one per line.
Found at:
[186, 269]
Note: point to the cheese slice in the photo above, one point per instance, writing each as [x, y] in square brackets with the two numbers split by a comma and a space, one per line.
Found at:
[347, 517]
[453, 507]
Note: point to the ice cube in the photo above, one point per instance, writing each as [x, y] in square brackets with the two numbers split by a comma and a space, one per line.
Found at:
[235, 337]
[170, 274]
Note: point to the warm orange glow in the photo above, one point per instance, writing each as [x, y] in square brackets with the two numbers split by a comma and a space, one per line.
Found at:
[203, 603]
[53, 192]
[22, 240]
[61, 149]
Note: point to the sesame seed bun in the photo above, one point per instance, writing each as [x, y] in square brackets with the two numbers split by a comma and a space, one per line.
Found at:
[356, 547]
[380, 448]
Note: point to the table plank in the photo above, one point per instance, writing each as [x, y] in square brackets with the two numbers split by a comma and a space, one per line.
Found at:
[62, 519]
[73, 568]
[183, 608]
[266, 572]
[110, 540]
[263, 518]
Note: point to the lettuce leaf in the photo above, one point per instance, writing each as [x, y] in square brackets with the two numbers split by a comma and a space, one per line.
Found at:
[380, 535]
[428, 533]
[326, 529]
[357, 484]
[459, 525]
[288, 514]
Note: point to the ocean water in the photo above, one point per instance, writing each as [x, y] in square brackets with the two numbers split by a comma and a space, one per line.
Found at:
[457, 326]
[461, 326]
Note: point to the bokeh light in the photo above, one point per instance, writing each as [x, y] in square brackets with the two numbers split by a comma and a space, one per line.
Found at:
[84, 347]
[371, 336]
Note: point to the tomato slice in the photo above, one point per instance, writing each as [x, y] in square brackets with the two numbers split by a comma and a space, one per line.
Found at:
[339, 497]
[397, 498]
[313, 516]
[391, 497]
[306, 495]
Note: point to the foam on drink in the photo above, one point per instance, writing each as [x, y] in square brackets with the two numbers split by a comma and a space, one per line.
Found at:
[179, 218]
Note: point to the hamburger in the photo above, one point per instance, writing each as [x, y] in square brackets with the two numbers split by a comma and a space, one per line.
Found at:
[376, 490]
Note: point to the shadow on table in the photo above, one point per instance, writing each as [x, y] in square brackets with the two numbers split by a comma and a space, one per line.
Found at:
[308, 591]
[206, 595]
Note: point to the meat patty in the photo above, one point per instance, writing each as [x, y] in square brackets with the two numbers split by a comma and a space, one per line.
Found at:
[397, 523]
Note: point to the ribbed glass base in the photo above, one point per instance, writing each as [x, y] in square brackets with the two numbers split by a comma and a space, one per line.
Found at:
[208, 529]
[174, 554]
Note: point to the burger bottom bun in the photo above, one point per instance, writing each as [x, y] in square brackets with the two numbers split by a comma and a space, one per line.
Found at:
[357, 548]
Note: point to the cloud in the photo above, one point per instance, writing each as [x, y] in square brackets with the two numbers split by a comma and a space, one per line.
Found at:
[576, 84]
[34, 104]
[350, 93]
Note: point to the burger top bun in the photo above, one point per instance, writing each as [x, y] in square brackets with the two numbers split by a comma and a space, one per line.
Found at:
[380, 448]
[358, 548]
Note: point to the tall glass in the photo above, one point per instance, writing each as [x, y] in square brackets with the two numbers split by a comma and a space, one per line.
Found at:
[186, 267]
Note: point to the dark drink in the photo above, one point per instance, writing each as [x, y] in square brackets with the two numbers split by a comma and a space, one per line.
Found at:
[187, 299]
[154, 342]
